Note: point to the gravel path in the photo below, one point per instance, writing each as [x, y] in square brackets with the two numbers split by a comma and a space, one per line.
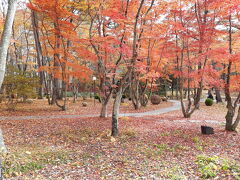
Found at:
[176, 106]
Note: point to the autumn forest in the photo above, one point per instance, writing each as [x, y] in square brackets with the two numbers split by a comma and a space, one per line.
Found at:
[120, 89]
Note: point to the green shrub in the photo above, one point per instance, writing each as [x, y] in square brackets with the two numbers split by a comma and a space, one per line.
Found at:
[211, 166]
[19, 163]
[209, 102]
[19, 85]
[97, 97]
[69, 94]
[208, 166]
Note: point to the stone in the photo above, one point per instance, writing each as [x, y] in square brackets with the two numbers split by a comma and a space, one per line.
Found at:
[84, 104]
[155, 99]
[29, 101]
[164, 99]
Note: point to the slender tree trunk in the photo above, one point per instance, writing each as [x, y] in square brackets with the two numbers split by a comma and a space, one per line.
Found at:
[187, 109]
[4, 44]
[103, 113]
[229, 118]
[231, 122]
[218, 95]
[172, 87]
[75, 87]
[49, 89]
[144, 99]
[115, 112]
[6, 35]
[134, 92]
[231, 125]
[105, 102]
[197, 98]
[39, 54]
[64, 97]
[237, 121]
[55, 91]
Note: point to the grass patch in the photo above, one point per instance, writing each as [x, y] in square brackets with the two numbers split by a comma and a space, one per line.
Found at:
[179, 147]
[162, 147]
[211, 166]
[20, 162]
[199, 144]
[177, 132]
[163, 134]
[156, 150]
[129, 132]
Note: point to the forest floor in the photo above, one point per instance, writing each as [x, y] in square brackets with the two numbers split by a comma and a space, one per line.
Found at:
[165, 146]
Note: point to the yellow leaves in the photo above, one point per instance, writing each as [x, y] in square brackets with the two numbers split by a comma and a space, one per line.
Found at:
[83, 138]
[125, 104]
[124, 118]
[98, 139]
[28, 152]
[106, 135]
[1, 25]
[113, 139]
[82, 5]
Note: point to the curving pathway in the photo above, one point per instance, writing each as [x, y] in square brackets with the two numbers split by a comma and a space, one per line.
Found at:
[176, 106]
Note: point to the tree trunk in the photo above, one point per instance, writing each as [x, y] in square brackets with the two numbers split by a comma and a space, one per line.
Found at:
[103, 113]
[229, 119]
[144, 100]
[75, 93]
[105, 101]
[6, 35]
[115, 112]
[55, 91]
[39, 54]
[172, 88]
[177, 89]
[197, 98]
[230, 124]
[4, 44]
[218, 95]
[237, 121]
[64, 94]
[189, 109]
[134, 94]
